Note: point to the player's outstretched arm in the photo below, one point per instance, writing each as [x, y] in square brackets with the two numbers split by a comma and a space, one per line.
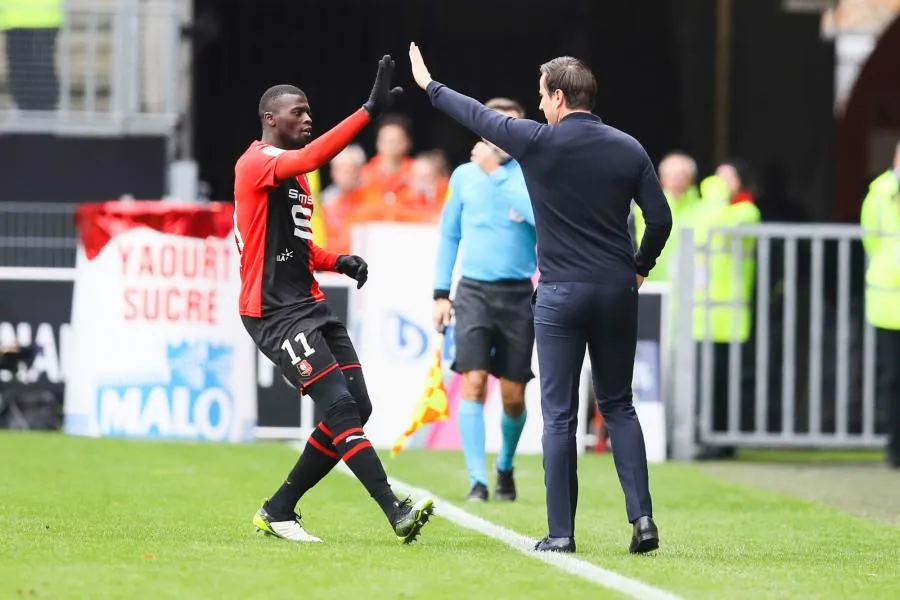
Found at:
[322, 150]
[514, 136]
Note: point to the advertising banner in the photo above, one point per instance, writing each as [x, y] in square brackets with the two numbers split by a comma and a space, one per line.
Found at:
[158, 348]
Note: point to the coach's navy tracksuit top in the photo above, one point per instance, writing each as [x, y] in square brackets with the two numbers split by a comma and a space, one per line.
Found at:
[581, 176]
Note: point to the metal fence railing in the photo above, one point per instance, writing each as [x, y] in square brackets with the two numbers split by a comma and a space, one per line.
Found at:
[37, 234]
[806, 375]
[115, 67]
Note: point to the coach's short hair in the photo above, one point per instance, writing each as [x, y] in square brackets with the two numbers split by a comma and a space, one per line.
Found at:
[574, 79]
[275, 92]
[505, 105]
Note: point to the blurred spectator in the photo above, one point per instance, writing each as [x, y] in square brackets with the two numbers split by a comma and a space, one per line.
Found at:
[725, 274]
[346, 173]
[735, 172]
[678, 178]
[880, 220]
[31, 27]
[428, 180]
[344, 198]
[387, 173]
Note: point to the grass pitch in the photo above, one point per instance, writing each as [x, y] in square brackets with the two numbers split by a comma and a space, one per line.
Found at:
[88, 518]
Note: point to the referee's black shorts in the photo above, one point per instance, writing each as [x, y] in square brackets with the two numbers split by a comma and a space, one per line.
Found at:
[494, 328]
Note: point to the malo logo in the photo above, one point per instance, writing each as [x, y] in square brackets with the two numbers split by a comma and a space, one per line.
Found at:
[195, 403]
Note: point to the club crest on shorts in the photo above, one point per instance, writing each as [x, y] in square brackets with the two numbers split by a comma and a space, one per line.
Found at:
[305, 368]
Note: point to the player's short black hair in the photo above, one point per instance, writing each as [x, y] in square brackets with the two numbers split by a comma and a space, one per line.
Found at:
[275, 92]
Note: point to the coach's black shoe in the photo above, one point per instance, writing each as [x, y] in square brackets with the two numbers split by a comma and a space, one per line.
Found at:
[556, 544]
[478, 493]
[409, 518]
[505, 490]
[645, 537]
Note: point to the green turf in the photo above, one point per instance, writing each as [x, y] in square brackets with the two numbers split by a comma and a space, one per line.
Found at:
[719, 540]
[116, 519]
[94, 519]
[776, 455]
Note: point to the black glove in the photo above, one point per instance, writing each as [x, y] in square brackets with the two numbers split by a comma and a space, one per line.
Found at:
[353, 267]
[382, 96]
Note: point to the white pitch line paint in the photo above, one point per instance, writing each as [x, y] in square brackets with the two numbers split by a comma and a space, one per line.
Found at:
[523, 544]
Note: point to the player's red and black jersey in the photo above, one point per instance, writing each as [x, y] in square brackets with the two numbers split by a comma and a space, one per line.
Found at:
[274, 236]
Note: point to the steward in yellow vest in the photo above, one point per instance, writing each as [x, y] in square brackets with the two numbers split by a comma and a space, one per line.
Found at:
[724, 280]
[880, 220]
[30, 28]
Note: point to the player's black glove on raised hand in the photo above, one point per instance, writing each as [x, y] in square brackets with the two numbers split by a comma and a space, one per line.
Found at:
[353, 267]
[383, 96]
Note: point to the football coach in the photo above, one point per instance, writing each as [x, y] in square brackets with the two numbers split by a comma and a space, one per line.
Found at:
[581, 176]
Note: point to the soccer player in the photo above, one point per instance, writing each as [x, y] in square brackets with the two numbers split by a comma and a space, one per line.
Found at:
[284, 310]
[489, 214]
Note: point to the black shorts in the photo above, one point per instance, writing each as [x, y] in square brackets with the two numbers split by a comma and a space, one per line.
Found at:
[494, 328]
[306, 343]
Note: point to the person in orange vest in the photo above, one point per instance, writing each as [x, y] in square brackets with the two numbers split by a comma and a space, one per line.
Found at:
[428, 183]
[387, 173]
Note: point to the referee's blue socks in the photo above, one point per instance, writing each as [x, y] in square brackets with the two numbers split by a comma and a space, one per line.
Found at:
[511, 428]
[471, 434]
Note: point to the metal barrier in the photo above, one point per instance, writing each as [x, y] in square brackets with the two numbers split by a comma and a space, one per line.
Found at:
[806, 376]
[37, 235]
[115, 67]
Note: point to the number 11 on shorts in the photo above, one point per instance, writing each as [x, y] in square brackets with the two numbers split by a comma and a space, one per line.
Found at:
[307, 349]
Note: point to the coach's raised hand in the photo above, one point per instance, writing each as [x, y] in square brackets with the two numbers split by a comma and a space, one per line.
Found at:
[383, 96]
[419, 70]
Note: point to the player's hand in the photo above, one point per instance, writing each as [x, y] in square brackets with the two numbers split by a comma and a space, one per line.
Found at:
[419, 70]
[442, 311]
[383, 96]
[353, 267]
[640, 280]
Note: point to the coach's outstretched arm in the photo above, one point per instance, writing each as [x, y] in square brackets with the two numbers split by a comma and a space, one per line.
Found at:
[318, 152]
[514, 136]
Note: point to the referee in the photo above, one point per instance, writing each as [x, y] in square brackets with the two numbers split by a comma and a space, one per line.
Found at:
[581, 176]
[487, 220]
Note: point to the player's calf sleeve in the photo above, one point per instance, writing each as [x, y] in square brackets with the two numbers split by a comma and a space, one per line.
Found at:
[356, 384]
[318, 458]
[358, 454]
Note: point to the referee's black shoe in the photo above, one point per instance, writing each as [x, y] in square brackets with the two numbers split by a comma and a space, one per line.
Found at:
[645, 537]
[478, 493]
[505, 490]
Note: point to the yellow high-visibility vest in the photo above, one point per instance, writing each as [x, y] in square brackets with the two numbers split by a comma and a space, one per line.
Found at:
[318, 220]
[683, 207]
[724, 275]
[31, 14]
[880, 220]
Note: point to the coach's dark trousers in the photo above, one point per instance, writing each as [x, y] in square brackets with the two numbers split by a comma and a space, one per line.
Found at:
[568, 317]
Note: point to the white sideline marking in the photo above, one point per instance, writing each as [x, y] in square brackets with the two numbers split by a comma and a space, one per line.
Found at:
[566, 562]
